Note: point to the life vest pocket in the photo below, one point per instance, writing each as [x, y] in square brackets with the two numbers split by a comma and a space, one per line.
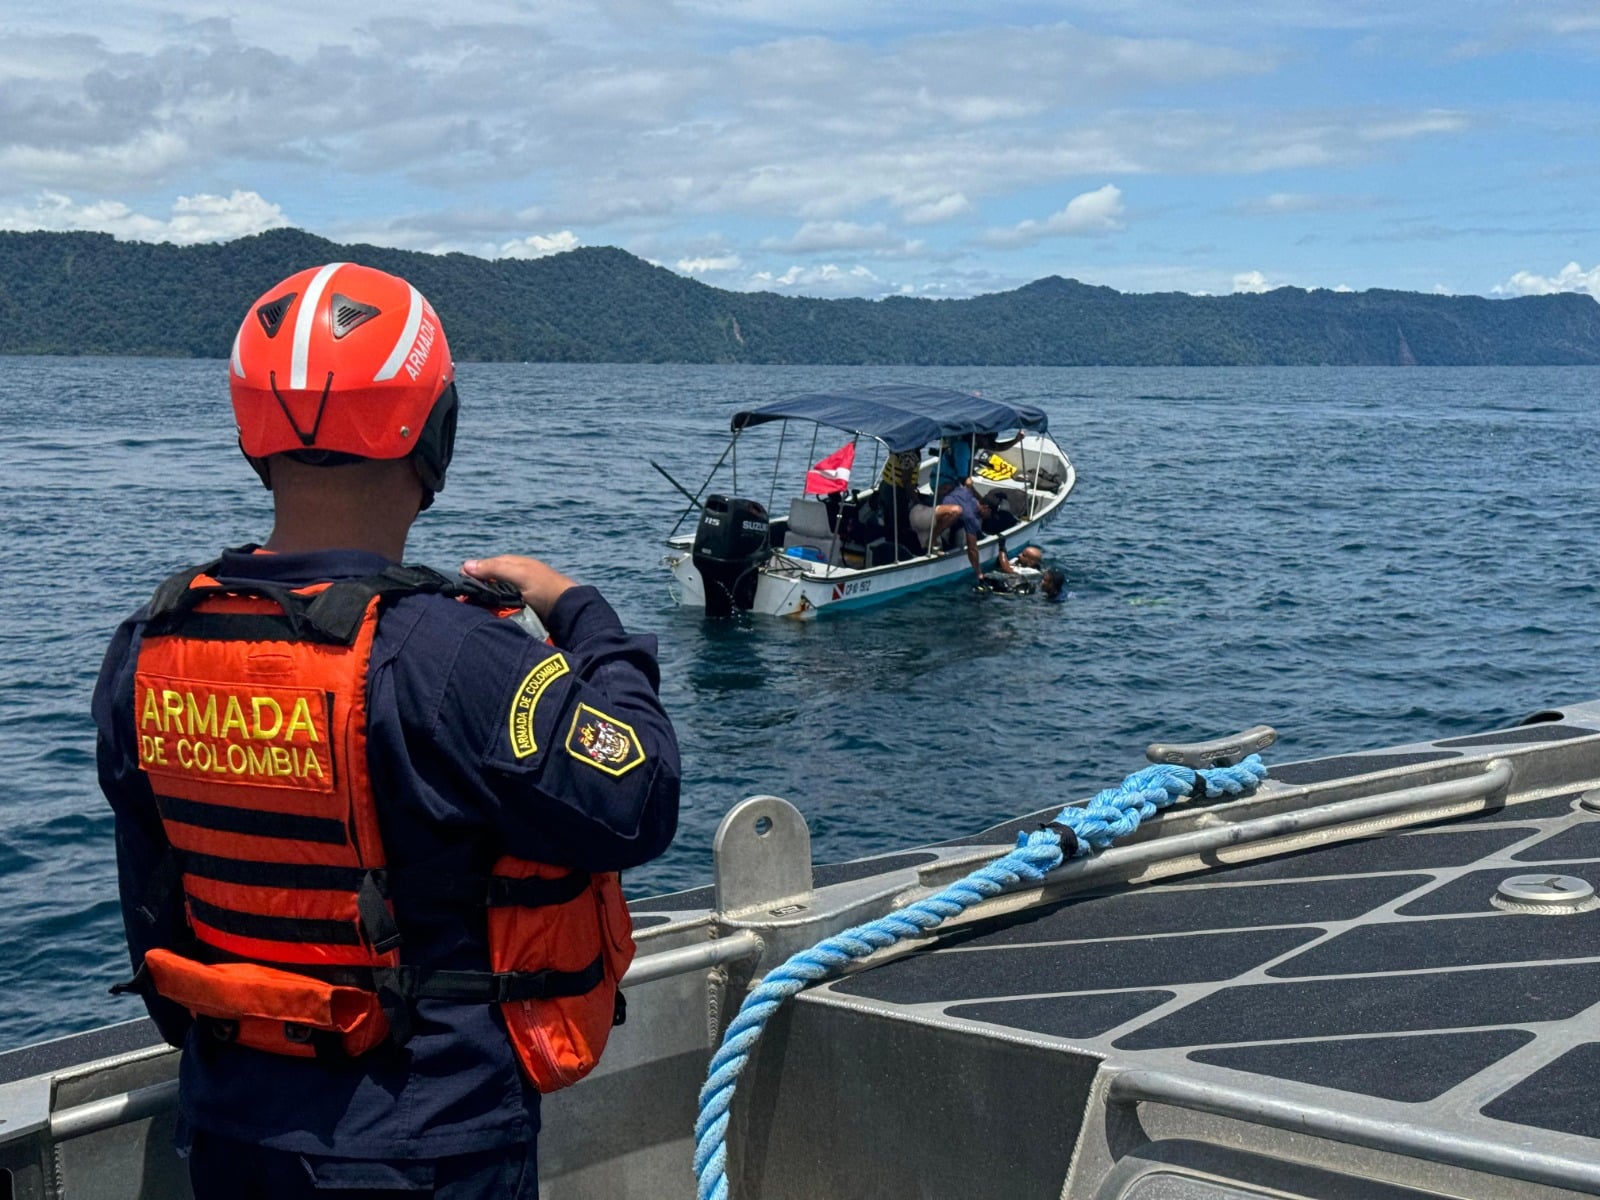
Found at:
[268, 1009]
[584, 945]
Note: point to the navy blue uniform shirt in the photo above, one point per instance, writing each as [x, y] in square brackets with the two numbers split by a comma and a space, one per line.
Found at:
[453, 794]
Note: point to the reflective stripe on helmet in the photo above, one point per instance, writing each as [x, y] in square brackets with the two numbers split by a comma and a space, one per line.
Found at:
[408, 335]
[302, 324]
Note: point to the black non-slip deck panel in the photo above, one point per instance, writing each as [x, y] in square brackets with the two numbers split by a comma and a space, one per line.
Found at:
[1464, 942]
[78, 1048]
[1580, 841]
[1528, 810]
[1063, 1016]
[1137, 912]
[1471, 893]
[1398, 852]
[1410, 1068]
[1560, 1096]
[1543, 732]
[1322, 770]
[934, 977]
[1375, 1004]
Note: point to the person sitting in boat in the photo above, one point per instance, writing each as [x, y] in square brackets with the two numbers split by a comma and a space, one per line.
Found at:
[955, 465]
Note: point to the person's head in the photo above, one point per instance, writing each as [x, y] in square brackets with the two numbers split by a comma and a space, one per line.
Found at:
[342, 381]
[1031, 557]
[1051, 583]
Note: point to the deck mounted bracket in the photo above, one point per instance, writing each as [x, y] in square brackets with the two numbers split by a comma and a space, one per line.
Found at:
[761, 859]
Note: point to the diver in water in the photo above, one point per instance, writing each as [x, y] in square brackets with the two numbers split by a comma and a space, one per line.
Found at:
[1047, 583]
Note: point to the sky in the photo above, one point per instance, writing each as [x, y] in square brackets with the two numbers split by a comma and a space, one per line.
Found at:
[837, 147]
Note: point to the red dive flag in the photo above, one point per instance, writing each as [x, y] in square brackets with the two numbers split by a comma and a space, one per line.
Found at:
[832, 474]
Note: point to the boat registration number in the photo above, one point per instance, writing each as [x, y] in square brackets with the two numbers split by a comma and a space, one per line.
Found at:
[853, 587]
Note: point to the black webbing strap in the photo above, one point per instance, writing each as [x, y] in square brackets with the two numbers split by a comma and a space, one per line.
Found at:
[176, 586]
[493, 891]
[332, 616]
[496, 987]
[377, 922]
[534, 892]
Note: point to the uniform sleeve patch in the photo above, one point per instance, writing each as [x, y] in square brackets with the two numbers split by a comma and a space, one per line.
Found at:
[603, 742]
[525, 702]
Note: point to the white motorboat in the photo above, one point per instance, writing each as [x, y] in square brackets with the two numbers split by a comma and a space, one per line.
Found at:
[796, 553]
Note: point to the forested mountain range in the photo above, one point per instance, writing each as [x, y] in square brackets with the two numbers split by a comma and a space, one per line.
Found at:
[86, 293]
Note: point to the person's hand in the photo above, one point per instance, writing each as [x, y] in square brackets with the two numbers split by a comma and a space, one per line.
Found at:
[541, 585]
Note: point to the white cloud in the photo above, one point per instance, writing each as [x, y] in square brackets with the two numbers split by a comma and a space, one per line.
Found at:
[826, 280]
[1571, 278]
[1291, 203]
[199, 218]
[931, 212]
[538, 245]
[708, 263]
[1092, 214]
[822, 237]
[1344, 287]
[1251, 281]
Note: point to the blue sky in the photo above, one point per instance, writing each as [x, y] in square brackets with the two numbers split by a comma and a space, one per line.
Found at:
[825, 148]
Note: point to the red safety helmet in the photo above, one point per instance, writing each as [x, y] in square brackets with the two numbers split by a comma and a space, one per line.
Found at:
[344, 362]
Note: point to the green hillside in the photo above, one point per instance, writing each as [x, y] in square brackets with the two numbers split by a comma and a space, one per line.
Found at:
[86, 293]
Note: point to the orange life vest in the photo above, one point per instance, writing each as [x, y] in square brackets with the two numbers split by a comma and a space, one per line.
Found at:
[250, 709]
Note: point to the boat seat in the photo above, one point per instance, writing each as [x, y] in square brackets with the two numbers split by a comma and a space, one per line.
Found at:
[808, 526]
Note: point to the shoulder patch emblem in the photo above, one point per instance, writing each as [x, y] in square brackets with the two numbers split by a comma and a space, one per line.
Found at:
[603, 742]
[526, 700]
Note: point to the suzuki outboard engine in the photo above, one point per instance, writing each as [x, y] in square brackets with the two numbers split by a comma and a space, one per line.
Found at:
[730, 543]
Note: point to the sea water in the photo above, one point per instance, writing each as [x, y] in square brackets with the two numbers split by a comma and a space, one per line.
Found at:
[1357, 557]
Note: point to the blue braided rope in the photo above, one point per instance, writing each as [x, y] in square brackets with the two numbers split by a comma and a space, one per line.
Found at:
[1113, 814]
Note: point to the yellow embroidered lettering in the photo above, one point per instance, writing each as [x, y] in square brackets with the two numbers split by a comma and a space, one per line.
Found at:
[300, 721]
[152, 712]
[233, 718]
[260, 705]
[311, 765]
[172, 709]
[260, 760]
[201, 720]
[152, 750]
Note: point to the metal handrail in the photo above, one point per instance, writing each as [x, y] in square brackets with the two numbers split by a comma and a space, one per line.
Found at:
[1396, 1137]
[139, 1103]
[1495, 778]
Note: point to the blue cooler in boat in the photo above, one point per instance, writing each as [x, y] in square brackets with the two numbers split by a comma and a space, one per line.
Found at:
[809, 553]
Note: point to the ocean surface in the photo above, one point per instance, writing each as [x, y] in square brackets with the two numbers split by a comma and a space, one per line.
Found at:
[1358, 557]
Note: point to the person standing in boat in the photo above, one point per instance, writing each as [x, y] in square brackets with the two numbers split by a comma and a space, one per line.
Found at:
[368, 827]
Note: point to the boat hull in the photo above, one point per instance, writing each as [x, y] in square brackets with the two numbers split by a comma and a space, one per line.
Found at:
[1313, 990]
[798, 588]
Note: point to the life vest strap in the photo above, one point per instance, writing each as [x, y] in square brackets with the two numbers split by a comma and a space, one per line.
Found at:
[331, 616]
[426, 983]
[495, 987]
[260, 927]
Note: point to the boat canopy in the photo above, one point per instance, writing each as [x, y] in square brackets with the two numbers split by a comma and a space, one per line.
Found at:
[901, 415]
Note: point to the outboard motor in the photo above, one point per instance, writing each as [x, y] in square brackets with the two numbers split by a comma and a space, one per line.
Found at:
[730, 543]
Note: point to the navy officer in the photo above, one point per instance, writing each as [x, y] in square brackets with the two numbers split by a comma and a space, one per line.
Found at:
[368, 829]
